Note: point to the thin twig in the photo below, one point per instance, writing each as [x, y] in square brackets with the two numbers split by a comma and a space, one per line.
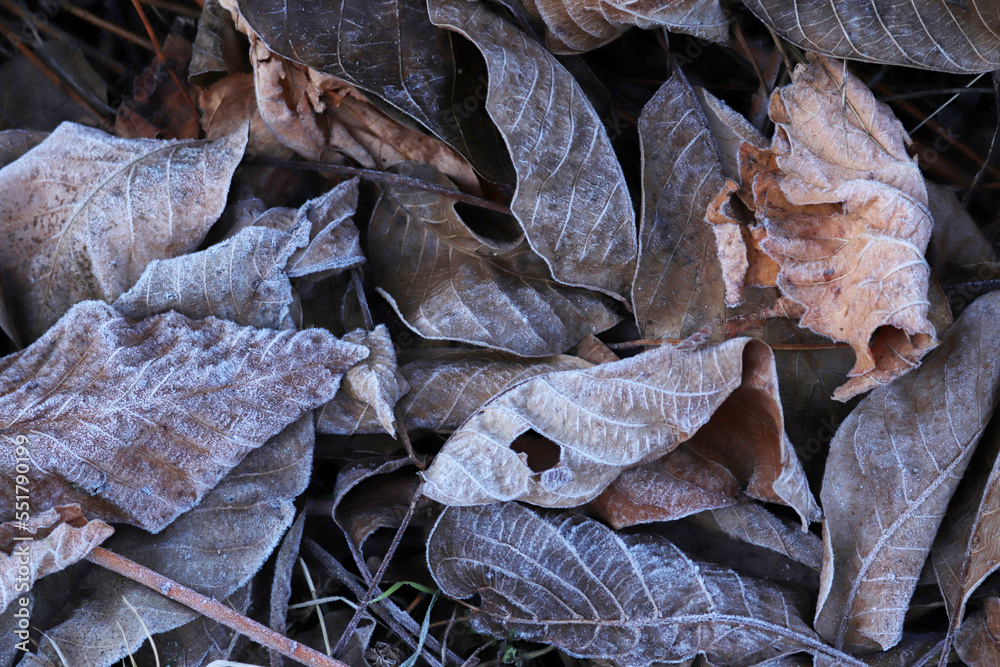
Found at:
[113, 28]
[371, 593]
[163, 59]
[656, 342]
[388, 611]
[175, 7]
[991, 154]
[934, 91]
[52, 76]
[215, 610]
[383, 178]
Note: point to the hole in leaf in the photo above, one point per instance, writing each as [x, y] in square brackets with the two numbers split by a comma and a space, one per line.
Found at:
[541, 454]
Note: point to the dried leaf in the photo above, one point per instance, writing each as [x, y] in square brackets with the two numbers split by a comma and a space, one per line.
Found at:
[604, 420]
[217, 50]
[630, 599]
[729, 129]
[741, 451]
[966, 549]
[751, 523]
[230, 104]
[842, 215]
[86, 212]
[929, 34]
[215, 549]
[978, 642]
[241, 279]
[893, 466]
[42, 544]
[573, 26]
[373, 384]
[571, 199]
[158, 109]
[678, 286]
[136, 421]
[388, 48]
[15, 143]
[447, 386]
[320, 116]
[334, 241]
[438, 275]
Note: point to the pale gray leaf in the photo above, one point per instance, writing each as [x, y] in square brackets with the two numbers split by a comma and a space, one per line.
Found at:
[628, 599]
[571, 199]
[893, 466]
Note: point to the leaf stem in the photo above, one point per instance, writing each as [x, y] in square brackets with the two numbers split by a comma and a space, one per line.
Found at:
[384, 178]
[214, 609]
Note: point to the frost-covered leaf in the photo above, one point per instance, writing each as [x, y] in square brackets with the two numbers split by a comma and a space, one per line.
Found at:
[753, 524]
[967, 547]
[373, 385]
[678, 286]
[137, 421]
[241, 279]
[449, 283]
[215, 549]
[571, 199]
[581, 25]
[603, 420]
[929, 34]
[629, 599]
[842, 223]
[893, 466]
[741, 451]
[955, 237]
[334, 242]
[45, 543]
[448, 385]
[85, 212]
[389, 48]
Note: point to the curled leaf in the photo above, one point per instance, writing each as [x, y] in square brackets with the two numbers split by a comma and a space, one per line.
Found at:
[630, 599]
[978, 642]
[842, 223]
[137, 421]
[571, 199]
[45, 543]
[603, 420]
[893, 466]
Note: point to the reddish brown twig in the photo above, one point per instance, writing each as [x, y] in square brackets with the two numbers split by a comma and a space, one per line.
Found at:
[795, 347]
[113, 28]
[215, 610]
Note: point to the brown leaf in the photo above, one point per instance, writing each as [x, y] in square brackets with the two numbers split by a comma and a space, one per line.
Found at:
[449, 283]
[841, 209]
[241, 279]
[678, 286]
[318, 116]
[930, 34]
[86, 212]
[389, 49]
[217, 50]
[215, 549]
[629, 599]
[573, 26]
[42, 544]
[893, 466]
[967, 549]
[231, 104]
[741, 450]
[729, 129]
[604, 420]
[571, 199]
[978, 642]
[372, 385]
[448, 385]
[334, 241]
[136, 421]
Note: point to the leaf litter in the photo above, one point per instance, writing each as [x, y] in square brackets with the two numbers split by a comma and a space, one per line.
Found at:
[205, 340]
